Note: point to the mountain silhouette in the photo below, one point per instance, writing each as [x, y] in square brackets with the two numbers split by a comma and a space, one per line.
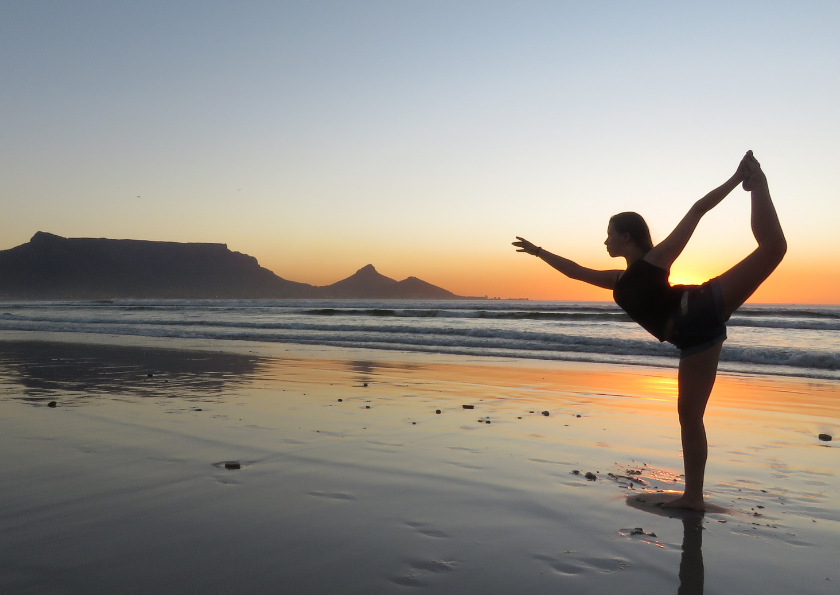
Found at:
[53, 267]
[367, 283]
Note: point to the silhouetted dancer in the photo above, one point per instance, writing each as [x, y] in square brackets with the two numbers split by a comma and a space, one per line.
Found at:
[692, 317]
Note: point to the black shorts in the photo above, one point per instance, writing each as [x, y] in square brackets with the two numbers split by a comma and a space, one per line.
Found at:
[699, 323]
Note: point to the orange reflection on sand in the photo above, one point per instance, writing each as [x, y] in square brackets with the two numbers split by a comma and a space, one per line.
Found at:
[553, 383]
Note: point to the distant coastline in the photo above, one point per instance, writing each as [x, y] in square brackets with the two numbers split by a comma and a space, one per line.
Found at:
[51, 267]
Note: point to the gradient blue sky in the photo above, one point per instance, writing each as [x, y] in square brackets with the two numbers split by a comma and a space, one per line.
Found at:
[422, 136]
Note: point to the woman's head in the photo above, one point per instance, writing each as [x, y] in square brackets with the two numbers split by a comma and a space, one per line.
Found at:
[634, 225]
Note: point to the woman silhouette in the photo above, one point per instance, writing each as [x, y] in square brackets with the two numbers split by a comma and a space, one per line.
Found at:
[692, 317]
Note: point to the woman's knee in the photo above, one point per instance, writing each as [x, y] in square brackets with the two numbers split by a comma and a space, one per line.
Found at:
[691, 415]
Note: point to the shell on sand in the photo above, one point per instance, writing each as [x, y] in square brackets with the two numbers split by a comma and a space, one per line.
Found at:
[652, 502]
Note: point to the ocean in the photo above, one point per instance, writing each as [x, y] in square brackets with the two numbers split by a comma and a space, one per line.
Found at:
[795, 340]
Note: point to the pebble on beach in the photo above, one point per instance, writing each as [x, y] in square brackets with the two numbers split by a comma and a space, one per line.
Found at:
[468, 406]
[52, 404]
[640, 531]
[340, 400]
[437, 411]
[545, 413]
[590, 476]
[233, 465]
[825, 437]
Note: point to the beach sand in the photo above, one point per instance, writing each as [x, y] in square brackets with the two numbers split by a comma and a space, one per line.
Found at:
[185, 467]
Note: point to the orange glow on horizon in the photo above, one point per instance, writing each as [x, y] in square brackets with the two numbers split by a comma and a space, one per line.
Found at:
[796, 281]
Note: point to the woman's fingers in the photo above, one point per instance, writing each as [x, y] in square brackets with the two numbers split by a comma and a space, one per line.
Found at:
[524, 245]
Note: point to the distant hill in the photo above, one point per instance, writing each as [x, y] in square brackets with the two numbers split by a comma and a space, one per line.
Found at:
[367, 283]
[53, 267]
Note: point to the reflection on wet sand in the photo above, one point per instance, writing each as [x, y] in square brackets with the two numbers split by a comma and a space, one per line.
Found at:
[368, 371]
[691, 562]
[37, 371]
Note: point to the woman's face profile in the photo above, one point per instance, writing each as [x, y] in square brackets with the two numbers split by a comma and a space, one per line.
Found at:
[613, 241]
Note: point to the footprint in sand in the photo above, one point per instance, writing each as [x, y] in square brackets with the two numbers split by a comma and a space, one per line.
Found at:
[333, 495]
[467, 466]
[571, 563]
[425, 529]
[420, 568]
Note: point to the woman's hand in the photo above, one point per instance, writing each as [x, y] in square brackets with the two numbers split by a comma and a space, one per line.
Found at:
[524, 245]
[743, 171]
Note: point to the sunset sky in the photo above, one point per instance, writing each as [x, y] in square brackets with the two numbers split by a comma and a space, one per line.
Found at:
[422, 137]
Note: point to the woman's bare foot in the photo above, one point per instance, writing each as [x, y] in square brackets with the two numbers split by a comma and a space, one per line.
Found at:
[686, 503]
[744, 168]
[753, 175]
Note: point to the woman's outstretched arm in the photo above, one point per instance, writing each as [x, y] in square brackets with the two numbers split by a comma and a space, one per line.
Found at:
[666, 252]
[605, 279]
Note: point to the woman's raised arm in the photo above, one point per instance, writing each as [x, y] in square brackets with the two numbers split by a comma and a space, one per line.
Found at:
[666, 252]
[605, 279]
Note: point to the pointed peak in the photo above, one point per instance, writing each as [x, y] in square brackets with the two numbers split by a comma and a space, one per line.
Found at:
[43, 236]
[368, 268]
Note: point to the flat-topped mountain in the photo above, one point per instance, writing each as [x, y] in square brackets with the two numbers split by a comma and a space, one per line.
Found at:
[53, 267]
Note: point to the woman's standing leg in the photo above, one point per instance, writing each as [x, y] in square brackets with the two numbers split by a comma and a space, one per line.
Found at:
[697, 372]
[696, 378]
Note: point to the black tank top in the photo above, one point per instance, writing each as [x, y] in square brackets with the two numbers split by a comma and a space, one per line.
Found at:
[644, 293]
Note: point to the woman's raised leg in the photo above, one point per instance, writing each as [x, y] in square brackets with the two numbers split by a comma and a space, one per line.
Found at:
[696, 378]
[740, 282]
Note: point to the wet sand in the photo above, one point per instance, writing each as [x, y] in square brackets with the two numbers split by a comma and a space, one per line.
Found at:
[179, 467]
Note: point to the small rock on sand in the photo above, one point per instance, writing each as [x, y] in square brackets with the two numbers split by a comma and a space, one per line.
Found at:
[52, 404]
[233, 465]
[365, 385]
[826, 437]
[590, 476]
[468, 406]
[545, 413]
[340, 400]
[437, 411]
